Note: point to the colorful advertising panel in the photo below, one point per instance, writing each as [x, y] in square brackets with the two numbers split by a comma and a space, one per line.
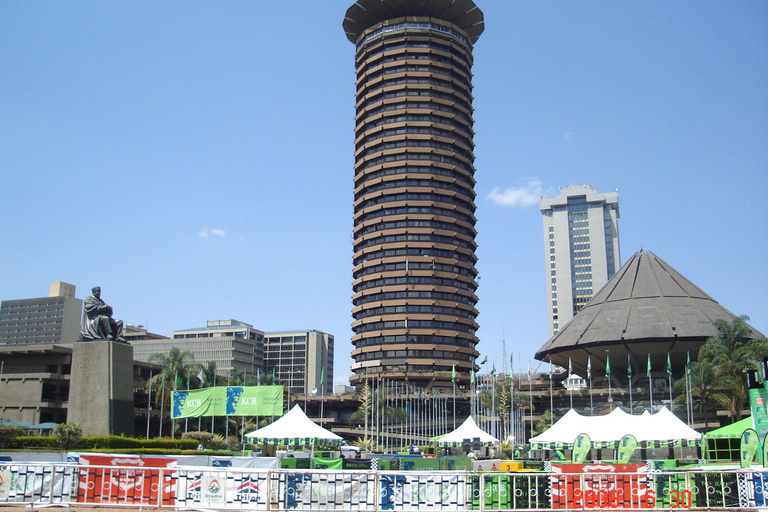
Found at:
[600, 486]
[127, 480]
[228, 401]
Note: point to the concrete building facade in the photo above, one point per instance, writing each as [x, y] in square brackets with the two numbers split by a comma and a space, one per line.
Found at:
[581, 249]
[301, 360]
[42, 321]
[414, 275]
[233, 345]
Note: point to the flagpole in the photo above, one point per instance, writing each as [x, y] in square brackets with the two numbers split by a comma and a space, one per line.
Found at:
[530, 397]
[589, 378]
[149, 401]
[551, 397]
[512, 395]
[608, 377]
[162, 404]
[650, 382]
[570, 388]
[669, 379]
[629, 381]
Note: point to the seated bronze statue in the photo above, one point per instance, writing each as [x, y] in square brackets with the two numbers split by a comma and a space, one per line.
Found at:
[98, 323]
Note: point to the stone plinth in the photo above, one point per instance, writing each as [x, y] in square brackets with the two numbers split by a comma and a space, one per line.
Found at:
[101, 388]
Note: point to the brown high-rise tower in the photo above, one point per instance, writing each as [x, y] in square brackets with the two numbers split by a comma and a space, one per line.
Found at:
[414, 225]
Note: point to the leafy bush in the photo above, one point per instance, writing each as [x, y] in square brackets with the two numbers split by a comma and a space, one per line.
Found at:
[9, 436]
[68, 435]
[123, 443]
[46, 442]
[202, 438]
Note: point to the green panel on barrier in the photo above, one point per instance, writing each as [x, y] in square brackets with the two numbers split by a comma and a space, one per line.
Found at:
[386, 464]
[455, 464]
[304, 463]
[288, 463]
[419, 464]
[673, 491]
[496, 489]
[322, 463]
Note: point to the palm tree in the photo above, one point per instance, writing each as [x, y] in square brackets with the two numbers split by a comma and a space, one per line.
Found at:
[178, 367]
[209, 374]
[732, 353]
[706, 389]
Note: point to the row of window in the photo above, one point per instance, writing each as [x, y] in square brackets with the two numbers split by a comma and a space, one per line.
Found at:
[432, 119]
[428, 224]
[434, 197]
[410, 169]
[435, 310]
[417, 50]
[413, 26]
[416, 210]
[376, 97]
[414, 294]
[416, 280]
[392, 239]
[414, 266]
[417, 68]
[432, 106]
[415, 251]
[414, 324]
[416, 183]
[413, 45]
[411, 143]
[419, 338]
[427, 354]
[367, 89]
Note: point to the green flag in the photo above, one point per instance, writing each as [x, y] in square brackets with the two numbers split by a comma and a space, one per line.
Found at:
[669, 365]
[629, 367]
[472, 376]
[648, 368]
[322, 376]
[453, 373]
[608, 367]
[177, 382]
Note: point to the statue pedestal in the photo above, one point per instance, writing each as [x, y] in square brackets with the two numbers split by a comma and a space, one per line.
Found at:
[101, 388]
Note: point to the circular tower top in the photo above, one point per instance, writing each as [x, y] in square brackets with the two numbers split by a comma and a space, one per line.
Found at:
[366, 13]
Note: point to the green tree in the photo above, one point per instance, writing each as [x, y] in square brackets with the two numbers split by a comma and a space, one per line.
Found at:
[178, 368]
[732, 352]
[209, 374]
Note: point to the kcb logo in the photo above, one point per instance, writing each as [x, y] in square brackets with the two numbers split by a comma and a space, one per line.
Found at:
[249, 400]
[194, 403]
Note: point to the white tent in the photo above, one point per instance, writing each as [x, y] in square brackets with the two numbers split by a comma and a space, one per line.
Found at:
[294, 428]
[661, 428]
[467, 430]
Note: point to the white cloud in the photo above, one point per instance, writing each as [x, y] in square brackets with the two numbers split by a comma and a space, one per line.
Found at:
[207, 233]
[518, 197]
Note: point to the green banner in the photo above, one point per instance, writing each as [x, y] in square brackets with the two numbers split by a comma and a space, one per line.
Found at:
[581, 448]
[627, 447]
[228, 401]
[749, 445]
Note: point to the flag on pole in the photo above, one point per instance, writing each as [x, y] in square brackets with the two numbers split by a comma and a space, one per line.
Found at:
[258, 377]
[669, 365]
[607, 367]
[485, 360]
[648, 370]
[453, 373]
[529, 371]
[493, 372]
[472, 376]
[177, 382]
[589, 367]
[201, 377]
[187, 381]
[322, 376]
[688, 365]
[570, 367]
[629, 368]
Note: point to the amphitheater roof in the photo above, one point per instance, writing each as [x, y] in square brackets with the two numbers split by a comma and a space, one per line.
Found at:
[648, 307]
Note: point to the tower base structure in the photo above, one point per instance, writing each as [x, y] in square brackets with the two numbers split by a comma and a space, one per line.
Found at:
[101, 388]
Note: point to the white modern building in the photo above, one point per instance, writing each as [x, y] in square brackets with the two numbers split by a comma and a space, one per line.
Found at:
[581, 241]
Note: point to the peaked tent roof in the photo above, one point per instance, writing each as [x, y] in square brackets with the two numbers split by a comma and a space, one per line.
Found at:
[467, 430]
[610, 428]
[648, 307]
[295, 428]
[734, 430]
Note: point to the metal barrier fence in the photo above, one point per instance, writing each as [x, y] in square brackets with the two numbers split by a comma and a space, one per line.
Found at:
[45, 484]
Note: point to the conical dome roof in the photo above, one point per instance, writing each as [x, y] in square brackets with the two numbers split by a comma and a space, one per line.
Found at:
[648, 307]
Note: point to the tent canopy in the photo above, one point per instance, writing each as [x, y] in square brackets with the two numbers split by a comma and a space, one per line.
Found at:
[467, 430]
[294, 428]
[732, 431]
[661, 428]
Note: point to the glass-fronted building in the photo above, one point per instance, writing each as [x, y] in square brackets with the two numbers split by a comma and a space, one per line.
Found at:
[581, 241]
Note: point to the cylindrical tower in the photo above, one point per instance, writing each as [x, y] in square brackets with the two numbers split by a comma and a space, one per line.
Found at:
[414, 276]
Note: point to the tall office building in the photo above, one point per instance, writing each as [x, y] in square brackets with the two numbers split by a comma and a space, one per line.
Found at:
[414, 276]
[43, 320]
[581, 241]
[302, 360]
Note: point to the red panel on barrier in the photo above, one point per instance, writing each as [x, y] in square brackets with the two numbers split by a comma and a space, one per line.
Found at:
[127, 481]
[600, 487]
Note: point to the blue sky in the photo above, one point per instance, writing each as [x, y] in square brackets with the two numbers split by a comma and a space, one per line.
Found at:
[195, 158]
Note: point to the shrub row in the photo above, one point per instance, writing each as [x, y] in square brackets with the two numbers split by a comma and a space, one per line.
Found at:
[105, 443]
